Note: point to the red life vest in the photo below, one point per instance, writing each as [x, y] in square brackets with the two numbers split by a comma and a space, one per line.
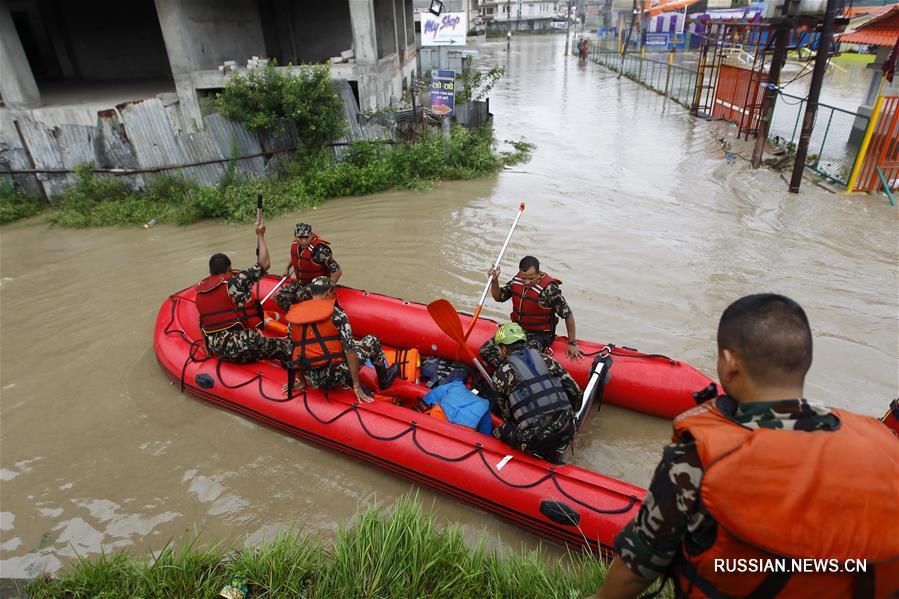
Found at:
[794, 495]
[526, 310]
[303, 266]
[218, 311]
[315, 339]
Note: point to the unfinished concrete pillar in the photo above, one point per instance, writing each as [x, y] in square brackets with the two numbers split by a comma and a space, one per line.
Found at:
[17, 84]
[200, 35]
[362, 16]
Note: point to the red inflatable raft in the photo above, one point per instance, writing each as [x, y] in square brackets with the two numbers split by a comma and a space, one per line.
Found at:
[564, 503]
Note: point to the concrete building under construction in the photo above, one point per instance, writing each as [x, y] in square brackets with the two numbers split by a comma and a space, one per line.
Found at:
[57, 53]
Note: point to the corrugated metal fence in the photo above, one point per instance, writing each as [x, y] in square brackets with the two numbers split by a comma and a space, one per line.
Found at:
[138, 138]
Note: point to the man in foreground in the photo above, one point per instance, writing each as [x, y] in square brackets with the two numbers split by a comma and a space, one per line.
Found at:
[761, 473]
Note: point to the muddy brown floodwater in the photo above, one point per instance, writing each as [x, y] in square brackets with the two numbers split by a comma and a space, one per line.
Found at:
[629, 201]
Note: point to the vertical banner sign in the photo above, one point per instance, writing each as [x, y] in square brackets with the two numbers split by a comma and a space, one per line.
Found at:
[443, 92]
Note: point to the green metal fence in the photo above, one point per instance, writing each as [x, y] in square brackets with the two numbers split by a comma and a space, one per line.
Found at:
[835, 139]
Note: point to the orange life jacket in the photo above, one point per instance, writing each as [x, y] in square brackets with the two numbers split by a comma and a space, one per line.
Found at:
[303, 266]
[218, 311]
[526, 310]
[315, 339]
[408, 360]
[794, 495]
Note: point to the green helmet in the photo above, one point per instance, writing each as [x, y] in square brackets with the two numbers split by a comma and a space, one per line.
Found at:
[509, 334]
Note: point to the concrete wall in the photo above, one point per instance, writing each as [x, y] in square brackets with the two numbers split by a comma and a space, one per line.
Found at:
[385, 32]
[201, 35]
[17, 85]
[298, 31]
[102, 40]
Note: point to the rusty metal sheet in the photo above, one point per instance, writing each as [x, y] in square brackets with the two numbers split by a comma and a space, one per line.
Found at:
[147, 127]
[231, 138]
[13, 157]
[113, 149]
[44, 150]
[199, 146]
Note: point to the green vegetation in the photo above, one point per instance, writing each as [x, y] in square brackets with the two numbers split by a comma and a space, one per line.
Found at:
[403, 554]
[475, 85]
[851, 58]
[310, 177]
[264, 98]
[15, 206]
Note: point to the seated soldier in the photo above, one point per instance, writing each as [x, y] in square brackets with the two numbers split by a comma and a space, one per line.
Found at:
[323, 348]
[310, 257]
[229, 315]
[535, 395]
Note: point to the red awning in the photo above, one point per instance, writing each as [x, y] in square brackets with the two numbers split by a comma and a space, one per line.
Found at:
[668, 7]
[871, 37]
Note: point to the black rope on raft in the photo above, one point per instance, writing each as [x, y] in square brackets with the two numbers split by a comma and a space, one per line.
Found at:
[413, 428]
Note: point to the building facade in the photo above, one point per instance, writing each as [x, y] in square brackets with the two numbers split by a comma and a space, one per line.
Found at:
[522, 15]
[51, 47]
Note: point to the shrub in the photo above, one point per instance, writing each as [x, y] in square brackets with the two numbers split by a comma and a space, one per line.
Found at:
[262, 98]
[14, 205]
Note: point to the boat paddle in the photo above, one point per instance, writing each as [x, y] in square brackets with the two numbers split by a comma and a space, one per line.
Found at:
[477, 312]
[448, 320]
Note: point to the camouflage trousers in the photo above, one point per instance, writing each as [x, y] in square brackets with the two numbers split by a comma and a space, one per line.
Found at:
[543, 437]
[338, 375]
[538, 340]
[243, 346]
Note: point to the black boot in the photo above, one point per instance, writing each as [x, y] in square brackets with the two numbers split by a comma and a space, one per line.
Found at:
[386, 375]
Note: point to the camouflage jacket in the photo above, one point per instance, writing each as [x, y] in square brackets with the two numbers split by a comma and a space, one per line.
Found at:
[322, 254]
[550, 297]
[292, 293]
[505, 381]
[240, 285]
[673, 514]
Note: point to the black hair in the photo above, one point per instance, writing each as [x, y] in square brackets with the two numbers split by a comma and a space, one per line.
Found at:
[771, 334]
[527, 263]
[219, 264]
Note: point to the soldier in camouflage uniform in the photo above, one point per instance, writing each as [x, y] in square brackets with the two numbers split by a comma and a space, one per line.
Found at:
[228, 313]
[320, 260]
[538, 305]
[764, 346]
[345, 374]
[538, 414]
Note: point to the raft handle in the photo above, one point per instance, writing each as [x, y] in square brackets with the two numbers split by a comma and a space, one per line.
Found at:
[560, 513]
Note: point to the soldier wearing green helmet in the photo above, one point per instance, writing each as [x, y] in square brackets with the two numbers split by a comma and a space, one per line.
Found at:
[535, 395]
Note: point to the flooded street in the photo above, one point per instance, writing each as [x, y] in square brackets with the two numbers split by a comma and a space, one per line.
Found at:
[630, 203]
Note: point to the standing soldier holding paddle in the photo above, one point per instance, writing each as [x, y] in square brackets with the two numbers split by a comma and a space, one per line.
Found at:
[537, 305]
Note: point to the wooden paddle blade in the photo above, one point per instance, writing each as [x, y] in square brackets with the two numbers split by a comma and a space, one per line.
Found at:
[446, 317]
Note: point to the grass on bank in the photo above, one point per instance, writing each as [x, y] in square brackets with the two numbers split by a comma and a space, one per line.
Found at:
[397, 555]
[304, 180]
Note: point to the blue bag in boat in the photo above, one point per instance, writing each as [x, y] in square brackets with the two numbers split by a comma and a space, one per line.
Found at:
[461, 406]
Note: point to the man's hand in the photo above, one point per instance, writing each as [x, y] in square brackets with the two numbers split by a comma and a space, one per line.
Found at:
[361, 395]
[260, 230]
[298, 385]
[494, 272]
[574, 352]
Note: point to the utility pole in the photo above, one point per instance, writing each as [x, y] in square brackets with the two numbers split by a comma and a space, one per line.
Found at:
[509, 20]
[777, 61]
[814, 92]
[627, 40]
[567, 26]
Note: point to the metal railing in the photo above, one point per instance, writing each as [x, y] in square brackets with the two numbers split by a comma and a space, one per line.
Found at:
[835, 139]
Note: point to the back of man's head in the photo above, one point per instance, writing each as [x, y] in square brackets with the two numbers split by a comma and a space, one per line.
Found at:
[219, 264]
[771, 335]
